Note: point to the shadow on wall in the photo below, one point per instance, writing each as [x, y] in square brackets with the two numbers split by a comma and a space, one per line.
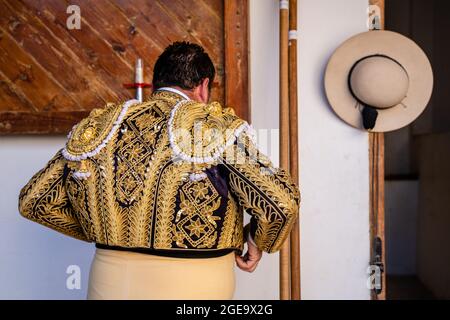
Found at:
[418, 161]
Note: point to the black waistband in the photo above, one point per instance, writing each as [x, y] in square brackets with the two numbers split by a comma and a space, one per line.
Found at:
[171, 253]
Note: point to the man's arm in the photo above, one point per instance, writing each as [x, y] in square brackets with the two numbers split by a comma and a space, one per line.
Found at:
[268, 194]
[44, 199]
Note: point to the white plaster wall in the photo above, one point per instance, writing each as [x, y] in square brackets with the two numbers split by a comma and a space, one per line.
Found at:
[333, 156]
[33, 259]
[334, 176]
[264, 59]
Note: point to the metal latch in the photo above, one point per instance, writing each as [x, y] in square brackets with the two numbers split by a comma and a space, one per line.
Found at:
[377, 266]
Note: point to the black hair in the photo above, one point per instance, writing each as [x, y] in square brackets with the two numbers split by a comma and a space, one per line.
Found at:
[183, 64]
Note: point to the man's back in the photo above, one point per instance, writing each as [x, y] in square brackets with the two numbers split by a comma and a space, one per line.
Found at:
[166, 177]
[126, 180]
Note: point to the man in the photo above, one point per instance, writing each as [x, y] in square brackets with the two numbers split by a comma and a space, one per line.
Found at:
[159, 186]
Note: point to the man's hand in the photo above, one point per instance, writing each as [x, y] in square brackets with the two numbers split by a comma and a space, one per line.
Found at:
[249, 261]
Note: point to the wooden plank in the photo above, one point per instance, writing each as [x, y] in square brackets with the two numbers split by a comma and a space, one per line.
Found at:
[88, 52]
[59, 66]
[203, 28]
[127, 37]
[293, 149]
[13, 97]
[148, 18]
[236, 57]
[39, 122]
[285, 291]
[380, 4]
[125, 46]
[75, 70]
[216, 7]
[158, 20]
[376, 180]
[25, 78]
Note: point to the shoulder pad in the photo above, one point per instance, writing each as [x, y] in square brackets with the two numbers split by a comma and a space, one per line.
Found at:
[92, 133]
[199, 132]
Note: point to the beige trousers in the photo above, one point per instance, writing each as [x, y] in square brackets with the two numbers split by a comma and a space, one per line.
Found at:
[117, 275]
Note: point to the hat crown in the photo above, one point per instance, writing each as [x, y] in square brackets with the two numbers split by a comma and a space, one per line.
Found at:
[379, 81]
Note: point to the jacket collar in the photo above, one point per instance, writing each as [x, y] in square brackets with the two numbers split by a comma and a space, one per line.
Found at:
[168, 93]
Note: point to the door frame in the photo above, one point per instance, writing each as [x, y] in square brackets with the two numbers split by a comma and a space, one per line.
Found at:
[376, 189]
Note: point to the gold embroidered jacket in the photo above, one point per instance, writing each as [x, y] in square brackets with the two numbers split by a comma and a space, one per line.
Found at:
[133, 175]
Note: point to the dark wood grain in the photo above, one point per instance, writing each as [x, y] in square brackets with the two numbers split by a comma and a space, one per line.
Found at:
[284, 261]
[294, 150]
[237, 92]
[47, 51]
[202, 27]
[39, 122]
[376, 180]
[51, 76]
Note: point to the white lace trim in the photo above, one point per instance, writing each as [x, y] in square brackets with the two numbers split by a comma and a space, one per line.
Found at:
[197, 176]
[244, 127]
[81, 175]
[115, 127]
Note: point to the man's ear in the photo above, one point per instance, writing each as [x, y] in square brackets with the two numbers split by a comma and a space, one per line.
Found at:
[204, 90]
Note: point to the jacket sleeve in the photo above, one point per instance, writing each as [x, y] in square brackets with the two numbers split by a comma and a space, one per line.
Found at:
[44, 199]
[268, 194]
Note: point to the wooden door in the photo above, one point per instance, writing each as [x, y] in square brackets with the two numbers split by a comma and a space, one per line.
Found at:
[52, 73]
[376, 180]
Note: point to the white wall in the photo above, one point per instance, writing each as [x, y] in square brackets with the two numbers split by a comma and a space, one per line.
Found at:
[333, 156]
[334, 176]
[33, 259]
[264, 59]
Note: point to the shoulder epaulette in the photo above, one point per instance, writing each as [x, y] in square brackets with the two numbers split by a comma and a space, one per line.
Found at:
[199, 133]
[91, 134]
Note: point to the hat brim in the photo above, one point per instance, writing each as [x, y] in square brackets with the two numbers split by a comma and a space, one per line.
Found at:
[391, 44]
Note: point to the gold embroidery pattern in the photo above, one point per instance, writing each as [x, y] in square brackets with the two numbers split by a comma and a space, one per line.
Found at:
[76, 192]
[138, 195]
[114, 215]
[134, 151]
[168, 188]
[91, 131]
[142, 212]
[238, 237]
[94, 196]
[198, 202]
[230, 221]
[202, 131]
[267, 196]
[44, 200]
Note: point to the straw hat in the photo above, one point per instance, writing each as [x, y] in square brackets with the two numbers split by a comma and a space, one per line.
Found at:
[378, 81]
